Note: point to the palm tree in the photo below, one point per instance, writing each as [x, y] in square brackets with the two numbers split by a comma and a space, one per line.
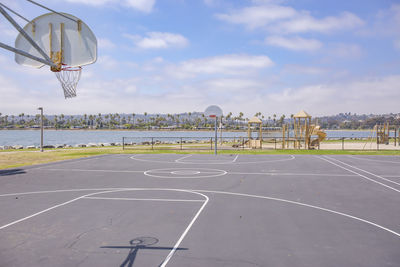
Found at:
[282, 119]
[241, 116]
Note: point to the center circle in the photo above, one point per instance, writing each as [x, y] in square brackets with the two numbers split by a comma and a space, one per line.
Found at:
[185, 173]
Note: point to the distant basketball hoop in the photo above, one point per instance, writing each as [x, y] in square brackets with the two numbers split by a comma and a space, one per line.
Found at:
[214, 111]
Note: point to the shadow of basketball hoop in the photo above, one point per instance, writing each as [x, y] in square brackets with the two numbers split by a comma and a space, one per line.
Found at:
[137, 244]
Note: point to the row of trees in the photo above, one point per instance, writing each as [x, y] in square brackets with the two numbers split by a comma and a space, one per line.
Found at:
[190, 120]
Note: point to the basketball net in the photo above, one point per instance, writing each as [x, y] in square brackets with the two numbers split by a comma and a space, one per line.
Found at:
[69, 78]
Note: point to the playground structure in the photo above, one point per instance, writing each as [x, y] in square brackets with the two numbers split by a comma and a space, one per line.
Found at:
[254, 126]
[382, 133]
[299, 135]
[303, 132]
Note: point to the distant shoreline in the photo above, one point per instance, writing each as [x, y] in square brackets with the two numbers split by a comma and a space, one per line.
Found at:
[167, 130]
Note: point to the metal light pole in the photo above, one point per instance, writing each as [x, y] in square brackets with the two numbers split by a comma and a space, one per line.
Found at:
[41, 129]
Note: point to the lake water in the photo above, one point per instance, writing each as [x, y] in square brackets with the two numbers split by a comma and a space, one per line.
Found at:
[74, 137]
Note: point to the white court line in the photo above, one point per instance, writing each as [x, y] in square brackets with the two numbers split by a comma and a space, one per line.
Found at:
[185, 157]
[234, 160]
[304, 205]
[377, 160]
[84, 170]
[219, 192]
[359, 174]
[167, 259]
[51, 208]
[169, 256]
[293, 174]
[146, 199]
[78, 160]
[210, 161]
[56, 191]
[380, 177]
[209, 174]
[40, 167]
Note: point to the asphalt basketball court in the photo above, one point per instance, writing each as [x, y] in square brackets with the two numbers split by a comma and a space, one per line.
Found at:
[202, 210]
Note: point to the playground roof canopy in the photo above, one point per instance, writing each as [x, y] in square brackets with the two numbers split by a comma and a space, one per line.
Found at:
[255, 120]
[302, 114]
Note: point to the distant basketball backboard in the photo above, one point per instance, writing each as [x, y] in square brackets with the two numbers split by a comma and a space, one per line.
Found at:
[213, 111]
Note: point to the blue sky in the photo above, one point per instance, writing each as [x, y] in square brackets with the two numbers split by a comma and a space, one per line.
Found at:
[172, 56]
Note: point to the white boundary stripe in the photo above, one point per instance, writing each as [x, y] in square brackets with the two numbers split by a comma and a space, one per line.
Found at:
[51, 208]
[167, 259]
[145, 199]
[293, 174]
[214, 192]
[304, 205]
[178, 160]
[78, 160]
[211, 162]
[376, 160]
[162, 171]
[171, 253]
[84, 170]
[56, 191]
[209, 174]
[380, 177]
[359, 174]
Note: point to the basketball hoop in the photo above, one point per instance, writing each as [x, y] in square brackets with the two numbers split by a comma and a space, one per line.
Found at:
[69, 78]
[60, 40]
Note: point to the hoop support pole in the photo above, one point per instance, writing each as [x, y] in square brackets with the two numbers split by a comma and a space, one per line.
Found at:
[25, 54]
[26, 36]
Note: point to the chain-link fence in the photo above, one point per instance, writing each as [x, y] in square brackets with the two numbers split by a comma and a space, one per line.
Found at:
[244, 143]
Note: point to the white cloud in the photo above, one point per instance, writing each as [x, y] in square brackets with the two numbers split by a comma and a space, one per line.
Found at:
[233, 85]
[226, 64]
[145, 6]
[105, 43]
[306, 23]
[279, 18]
[257, 16]
[158, 40]
[142, 5]
[107, 62]
[294, 43]
[388, 20]
[344, 50]
[355, 96]
[300, 69]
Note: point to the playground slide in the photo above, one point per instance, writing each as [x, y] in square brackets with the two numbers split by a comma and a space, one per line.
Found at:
[321, 137]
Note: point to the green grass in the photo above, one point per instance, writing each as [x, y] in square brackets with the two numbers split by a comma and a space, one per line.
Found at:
[18, 158]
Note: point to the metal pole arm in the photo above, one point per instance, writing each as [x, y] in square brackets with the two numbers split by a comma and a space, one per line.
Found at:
[24, 34]
[23, 53]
